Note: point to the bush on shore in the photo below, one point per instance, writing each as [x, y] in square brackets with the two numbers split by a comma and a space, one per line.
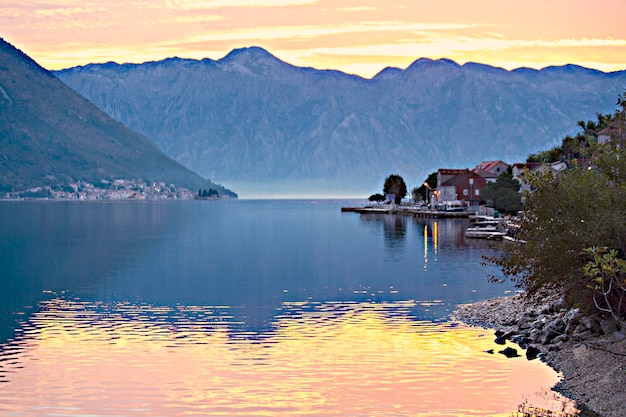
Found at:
[574, 226]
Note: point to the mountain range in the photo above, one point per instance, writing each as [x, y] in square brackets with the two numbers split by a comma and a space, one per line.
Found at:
[265, 127]
[50, 136]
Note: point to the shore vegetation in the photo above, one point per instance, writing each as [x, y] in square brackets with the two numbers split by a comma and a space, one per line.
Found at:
[574, 223]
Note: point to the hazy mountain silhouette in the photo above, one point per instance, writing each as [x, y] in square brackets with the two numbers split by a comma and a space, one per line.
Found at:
[262, 125]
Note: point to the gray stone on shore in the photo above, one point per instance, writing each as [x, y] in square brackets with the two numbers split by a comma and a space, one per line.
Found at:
[589, 350]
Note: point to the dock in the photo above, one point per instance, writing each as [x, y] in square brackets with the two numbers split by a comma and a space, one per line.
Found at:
[415, 211]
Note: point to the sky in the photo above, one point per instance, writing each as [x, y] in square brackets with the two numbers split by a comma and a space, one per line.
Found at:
[358, 37]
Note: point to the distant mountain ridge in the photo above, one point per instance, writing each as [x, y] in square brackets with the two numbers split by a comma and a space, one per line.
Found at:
[51, 137]
[267, 127]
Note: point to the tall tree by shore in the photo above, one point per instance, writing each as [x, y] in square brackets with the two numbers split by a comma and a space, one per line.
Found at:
[394, 184]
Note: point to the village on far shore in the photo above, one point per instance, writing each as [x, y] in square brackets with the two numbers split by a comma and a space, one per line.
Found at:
[118, 189]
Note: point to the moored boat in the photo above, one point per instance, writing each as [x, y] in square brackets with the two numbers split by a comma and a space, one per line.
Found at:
[485, 227]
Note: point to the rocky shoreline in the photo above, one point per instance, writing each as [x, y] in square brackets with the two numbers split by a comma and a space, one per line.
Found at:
[589, 351]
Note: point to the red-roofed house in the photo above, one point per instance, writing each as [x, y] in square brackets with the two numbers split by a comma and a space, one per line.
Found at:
[460, 184]
[491, 170]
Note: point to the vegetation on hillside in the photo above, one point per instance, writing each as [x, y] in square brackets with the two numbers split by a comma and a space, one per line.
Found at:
[574, 223]
[574, 148]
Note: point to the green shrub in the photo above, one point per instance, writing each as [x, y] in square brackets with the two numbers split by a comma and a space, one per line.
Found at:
[566, 214]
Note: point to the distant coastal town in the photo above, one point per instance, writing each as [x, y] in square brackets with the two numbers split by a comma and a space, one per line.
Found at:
[119, 189]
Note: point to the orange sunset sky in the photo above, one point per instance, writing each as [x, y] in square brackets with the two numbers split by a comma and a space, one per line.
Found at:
[360, 37]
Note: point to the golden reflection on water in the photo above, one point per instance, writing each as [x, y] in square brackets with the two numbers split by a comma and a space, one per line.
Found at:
[435, 242]
[332, 359]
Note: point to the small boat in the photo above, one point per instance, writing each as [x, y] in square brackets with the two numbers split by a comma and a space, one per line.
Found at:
[484, 233]
[485, 227]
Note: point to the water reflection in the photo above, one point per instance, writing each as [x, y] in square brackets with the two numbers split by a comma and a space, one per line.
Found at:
[50, 247]
[242, 308]
[318, 359]
[430, 242]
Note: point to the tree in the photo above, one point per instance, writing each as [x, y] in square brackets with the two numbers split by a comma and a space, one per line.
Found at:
[394, 184]
[575, 147]
[566, 218]
[421, 192]
[418, 194]
[378, 197]
[503, 195]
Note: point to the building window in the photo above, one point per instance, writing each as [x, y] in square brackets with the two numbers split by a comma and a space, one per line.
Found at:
[464, 192]
[477, 192]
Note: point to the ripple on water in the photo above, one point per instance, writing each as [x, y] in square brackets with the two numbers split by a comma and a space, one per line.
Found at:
[315, 359]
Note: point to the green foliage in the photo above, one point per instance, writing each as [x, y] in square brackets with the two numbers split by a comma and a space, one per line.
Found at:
[548, 156]
[421, 192]
[606, 273]
[573, 223]
[567, 213]
[504, 195]
[394, 184]
[418, 194]
[378, 197]
[574, 147]
[210, 193]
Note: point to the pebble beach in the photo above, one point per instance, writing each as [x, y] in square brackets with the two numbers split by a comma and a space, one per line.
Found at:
[588, 350]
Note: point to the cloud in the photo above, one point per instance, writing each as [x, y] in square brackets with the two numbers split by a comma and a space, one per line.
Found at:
[569, 43]
[68, 11]
[218, 4]
[312, 31]
[340, 34]
[357, 9]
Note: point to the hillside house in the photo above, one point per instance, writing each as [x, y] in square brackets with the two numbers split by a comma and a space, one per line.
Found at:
[519, 171]
[615, 132]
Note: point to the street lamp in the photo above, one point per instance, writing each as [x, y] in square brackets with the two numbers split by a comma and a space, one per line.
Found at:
[429, 195]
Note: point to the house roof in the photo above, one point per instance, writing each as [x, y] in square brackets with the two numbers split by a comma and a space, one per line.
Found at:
[446, 171]
[488, 165]
[461, 178]
[486, 174]
[530, 165]
[615, 129]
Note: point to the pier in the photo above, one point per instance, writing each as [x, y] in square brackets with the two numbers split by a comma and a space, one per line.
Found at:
[415, 211]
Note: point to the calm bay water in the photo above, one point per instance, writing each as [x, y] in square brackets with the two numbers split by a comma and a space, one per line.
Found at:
[247, 308]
